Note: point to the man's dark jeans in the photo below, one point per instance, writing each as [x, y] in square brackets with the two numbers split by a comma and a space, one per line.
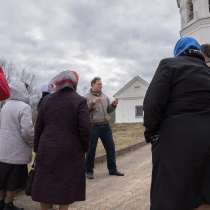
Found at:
[103, 132]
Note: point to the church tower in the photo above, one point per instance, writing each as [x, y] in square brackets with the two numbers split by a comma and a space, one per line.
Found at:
[195, 19]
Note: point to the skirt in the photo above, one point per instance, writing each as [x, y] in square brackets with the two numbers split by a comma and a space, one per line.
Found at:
[13, 177]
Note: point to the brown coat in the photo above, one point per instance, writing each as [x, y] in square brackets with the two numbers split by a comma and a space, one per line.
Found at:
[62, 135]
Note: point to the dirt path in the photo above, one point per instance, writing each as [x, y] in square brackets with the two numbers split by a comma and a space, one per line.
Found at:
[114, 193]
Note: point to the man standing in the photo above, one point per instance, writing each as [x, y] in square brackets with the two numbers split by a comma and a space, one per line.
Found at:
[99, 108]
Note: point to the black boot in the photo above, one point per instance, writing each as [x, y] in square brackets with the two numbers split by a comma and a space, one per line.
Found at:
[11, 206]
[115, 173]
[90, 175]
[1, 204]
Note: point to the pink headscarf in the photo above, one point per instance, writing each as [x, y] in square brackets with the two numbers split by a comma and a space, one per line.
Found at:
[64, 79]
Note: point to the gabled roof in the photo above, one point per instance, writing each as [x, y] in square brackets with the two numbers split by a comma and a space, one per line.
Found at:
[137, 78]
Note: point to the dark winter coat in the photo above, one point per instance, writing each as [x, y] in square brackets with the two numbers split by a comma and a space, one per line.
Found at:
[44, 94]
[177, 109]
[62, 135]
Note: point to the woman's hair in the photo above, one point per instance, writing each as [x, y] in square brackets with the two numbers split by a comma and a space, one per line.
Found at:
[205, 48]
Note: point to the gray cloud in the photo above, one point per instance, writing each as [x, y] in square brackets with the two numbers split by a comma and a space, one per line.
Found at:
[113, 39]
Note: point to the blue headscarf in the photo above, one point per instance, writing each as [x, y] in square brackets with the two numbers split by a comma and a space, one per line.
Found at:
[184, 44]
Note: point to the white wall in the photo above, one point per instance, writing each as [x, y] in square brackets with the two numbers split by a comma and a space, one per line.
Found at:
[128, 98]
[200, 30]
[199, 27]
[125, 112]
[201, 8]
[137, 89]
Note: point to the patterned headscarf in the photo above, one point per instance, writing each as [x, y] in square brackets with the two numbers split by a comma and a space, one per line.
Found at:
[64, 79]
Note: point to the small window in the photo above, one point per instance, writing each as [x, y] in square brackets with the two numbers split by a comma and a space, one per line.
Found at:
[139, 111]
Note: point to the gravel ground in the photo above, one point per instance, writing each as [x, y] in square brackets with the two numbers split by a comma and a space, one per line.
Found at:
[105, 192]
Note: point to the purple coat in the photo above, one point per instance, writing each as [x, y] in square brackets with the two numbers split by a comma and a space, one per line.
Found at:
[62, 135]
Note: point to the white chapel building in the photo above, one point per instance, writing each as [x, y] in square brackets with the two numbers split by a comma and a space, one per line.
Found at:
[195, 19]
[195, 22]
[130, 101]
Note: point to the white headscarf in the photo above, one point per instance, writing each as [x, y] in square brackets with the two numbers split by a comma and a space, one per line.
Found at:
[19, 91]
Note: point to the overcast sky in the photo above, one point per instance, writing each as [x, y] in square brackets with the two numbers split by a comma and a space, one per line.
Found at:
[114, 39]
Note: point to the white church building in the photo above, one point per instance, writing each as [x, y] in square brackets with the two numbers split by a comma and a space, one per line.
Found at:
[195, 22]
[130, 101]
[195, 19]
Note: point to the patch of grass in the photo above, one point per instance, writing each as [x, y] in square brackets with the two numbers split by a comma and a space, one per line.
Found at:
[125, 134]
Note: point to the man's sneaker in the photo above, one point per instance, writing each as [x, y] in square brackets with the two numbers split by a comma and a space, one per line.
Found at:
[89, 175]
[11, 206]
[116, 173]
[1, 204]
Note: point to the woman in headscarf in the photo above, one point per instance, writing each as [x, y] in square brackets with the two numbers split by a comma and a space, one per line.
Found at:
[177, 120]
[16, 143]
[62, 133]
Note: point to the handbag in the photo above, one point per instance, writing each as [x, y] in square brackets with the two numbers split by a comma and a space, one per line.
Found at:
[29, 182]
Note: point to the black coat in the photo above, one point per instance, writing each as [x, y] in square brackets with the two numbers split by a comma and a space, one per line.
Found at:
[177, 108]
[62, 135]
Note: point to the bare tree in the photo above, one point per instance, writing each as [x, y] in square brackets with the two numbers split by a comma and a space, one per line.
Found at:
[9, 68]
[29, 79]
[11, 71]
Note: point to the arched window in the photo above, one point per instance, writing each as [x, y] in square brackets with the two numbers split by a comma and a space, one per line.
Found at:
[209, 5]
[190, 10]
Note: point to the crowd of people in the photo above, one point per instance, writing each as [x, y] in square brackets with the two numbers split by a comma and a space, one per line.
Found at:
[66, 132]
[67, 127]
